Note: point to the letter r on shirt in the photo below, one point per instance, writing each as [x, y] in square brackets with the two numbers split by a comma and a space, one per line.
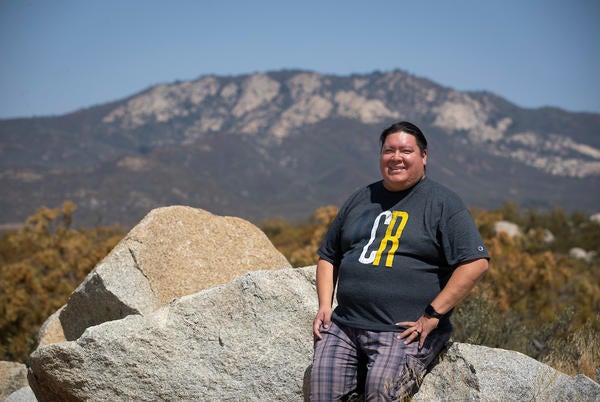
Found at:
[395, 222]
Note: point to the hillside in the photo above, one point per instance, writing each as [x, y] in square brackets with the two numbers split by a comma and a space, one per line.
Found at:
[284, 143]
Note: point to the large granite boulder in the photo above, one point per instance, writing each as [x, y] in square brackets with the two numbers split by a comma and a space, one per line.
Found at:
[174, 251]
[251, 340]
[478, 373]
[247, 340]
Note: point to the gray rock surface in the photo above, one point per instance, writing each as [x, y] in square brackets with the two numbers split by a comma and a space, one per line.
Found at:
[477, 373]
[51, 330]
[581, 254]
[251, 340]
[174, 251]
[13, 376]
[247, 340]
[25, 394]
[510, 228]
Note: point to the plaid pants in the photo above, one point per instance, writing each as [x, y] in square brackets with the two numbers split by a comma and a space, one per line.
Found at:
[350, 361]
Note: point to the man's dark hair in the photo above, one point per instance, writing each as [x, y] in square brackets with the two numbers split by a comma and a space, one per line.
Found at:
[408, 128]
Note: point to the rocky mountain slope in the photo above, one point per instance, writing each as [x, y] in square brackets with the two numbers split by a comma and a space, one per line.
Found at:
[283, 143]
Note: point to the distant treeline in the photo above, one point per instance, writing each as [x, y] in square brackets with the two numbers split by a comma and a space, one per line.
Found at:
[535, 298]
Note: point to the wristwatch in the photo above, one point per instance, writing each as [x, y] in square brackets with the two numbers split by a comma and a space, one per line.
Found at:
[430, 311]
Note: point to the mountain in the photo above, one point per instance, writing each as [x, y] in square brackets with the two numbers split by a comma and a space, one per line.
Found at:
[283, 143]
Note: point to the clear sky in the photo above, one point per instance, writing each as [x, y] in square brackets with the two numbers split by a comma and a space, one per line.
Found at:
[62, 55]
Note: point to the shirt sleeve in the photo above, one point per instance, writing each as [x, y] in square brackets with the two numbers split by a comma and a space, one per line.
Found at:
[461, 239]
[331, 247]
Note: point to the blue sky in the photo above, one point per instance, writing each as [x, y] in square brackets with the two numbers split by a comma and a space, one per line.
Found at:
[62, 55]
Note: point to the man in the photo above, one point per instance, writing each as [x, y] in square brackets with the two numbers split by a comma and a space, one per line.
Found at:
[403, 252]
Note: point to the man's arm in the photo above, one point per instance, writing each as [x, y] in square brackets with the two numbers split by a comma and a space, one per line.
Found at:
[462, 281]
[325, 284]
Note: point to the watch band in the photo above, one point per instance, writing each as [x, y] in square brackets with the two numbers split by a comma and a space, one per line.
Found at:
[430, 311]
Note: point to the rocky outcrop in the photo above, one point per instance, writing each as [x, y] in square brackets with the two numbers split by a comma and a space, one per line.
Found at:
[247, 340]
[261, 103]
[251, 340]
[477, 373]
[13, 376]
[172, 252]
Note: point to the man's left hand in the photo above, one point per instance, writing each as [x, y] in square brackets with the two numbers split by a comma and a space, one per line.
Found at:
[417, 329]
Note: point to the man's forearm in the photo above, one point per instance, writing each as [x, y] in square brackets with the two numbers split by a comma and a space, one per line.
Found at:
[325, 283]
[460, 284]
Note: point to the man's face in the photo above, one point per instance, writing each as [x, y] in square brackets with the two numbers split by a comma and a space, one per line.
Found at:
[401, 163]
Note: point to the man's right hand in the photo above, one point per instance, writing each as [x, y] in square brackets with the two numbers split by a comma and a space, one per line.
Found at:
[323, 318]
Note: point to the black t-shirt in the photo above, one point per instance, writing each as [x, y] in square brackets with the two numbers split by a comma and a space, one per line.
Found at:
[396, 251]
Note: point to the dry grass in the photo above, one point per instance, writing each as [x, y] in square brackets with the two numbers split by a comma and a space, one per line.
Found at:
[579, 353]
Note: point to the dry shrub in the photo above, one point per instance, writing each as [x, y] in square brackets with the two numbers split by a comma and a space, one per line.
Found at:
[40, 265]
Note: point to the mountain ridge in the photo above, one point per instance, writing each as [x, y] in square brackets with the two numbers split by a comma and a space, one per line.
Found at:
[285, 142]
